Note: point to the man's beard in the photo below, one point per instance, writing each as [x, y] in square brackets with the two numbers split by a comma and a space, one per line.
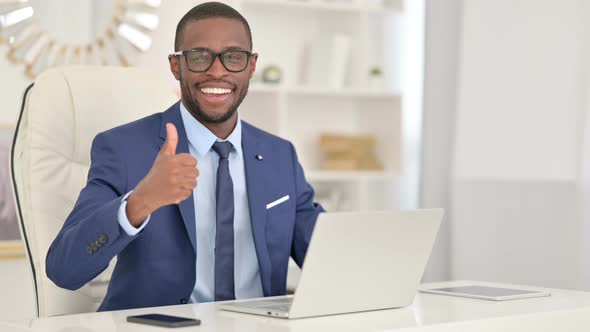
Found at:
[194, 107]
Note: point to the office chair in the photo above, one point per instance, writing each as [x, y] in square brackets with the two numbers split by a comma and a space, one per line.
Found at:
[61, 113]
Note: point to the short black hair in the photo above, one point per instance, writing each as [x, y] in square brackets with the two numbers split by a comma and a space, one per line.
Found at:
[209, 10]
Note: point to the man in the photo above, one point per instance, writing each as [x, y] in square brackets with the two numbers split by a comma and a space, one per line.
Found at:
[197, 205]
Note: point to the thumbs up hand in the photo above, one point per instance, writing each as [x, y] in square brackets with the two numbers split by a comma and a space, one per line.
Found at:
[171, 142]
[171, 180]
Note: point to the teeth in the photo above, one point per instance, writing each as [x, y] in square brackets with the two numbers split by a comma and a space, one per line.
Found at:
[215, 91]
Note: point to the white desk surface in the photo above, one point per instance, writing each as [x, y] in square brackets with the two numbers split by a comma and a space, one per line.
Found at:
[564, 310]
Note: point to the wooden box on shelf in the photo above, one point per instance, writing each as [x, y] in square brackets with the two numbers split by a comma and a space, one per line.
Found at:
[349, 153]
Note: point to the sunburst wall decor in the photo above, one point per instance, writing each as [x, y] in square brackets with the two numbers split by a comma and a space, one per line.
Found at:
[128, 32]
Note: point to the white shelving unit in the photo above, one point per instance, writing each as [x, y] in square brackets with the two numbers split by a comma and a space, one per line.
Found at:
[333, 5]
[300, 36]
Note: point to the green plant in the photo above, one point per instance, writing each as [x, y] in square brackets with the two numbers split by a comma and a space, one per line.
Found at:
[375, 71]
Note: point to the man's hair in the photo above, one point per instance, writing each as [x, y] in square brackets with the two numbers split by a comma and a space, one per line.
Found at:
[209, 10]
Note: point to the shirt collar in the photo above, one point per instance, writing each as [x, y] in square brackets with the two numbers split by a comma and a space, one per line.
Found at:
[202, 138]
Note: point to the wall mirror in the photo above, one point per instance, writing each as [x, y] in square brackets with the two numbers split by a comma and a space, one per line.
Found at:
[42, 34]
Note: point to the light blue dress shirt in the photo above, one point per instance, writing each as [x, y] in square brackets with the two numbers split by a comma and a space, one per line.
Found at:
[246, 271]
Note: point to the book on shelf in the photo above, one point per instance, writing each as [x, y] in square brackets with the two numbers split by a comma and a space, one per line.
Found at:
[339, 61]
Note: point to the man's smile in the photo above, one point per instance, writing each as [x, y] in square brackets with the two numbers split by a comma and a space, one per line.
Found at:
[215, 95]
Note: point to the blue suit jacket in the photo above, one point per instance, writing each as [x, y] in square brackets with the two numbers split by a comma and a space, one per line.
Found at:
[157, 266]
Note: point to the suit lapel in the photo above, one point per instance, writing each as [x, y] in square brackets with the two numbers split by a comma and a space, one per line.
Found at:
[255, 184]
[187, 207]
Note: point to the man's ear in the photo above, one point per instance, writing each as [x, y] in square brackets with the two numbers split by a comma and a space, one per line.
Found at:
[253, 59]
[174, 66]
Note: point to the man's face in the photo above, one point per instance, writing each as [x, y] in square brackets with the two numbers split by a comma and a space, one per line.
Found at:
[213, 96]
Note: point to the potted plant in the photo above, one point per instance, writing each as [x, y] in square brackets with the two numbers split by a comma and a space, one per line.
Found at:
[376, 80]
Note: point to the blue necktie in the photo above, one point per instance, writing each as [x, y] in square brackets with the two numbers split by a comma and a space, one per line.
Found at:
[224, 234]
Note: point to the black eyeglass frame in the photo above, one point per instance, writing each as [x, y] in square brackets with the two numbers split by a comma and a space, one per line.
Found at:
[215, 55]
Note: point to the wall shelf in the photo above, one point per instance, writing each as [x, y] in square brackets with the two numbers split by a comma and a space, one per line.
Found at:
[325, 50]
[349, 176]
[323, 92]
[334, 6]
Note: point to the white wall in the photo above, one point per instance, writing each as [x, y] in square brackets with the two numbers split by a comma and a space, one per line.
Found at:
[519, 125]
[443, 24]
[507, 140]
[411, 67]
[522, 89]
[12, 86]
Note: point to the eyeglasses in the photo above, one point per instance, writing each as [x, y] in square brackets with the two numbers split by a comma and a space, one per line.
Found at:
[200, 60]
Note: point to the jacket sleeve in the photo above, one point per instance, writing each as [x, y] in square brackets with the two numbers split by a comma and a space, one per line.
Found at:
[91, 235]
[307, 212]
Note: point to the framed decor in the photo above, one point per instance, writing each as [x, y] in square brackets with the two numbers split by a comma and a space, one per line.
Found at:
[10, 244]
[99, 32]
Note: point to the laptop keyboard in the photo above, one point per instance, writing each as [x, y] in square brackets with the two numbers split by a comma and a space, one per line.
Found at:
[274, 305]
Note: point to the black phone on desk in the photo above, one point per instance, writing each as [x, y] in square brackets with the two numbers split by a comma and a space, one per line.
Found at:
[163, 320]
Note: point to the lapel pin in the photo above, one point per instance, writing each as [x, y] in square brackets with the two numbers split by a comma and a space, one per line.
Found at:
[259, 157]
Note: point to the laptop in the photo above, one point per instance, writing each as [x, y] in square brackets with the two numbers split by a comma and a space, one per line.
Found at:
[357, 261]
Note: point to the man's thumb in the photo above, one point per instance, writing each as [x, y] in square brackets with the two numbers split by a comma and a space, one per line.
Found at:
[169, 146]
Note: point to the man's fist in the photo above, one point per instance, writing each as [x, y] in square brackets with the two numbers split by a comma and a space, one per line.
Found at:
[171, 180]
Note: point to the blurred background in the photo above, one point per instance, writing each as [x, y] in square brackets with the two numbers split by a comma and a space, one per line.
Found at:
[479, 107]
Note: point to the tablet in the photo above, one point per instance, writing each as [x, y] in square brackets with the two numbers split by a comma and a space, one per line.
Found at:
[486, 292]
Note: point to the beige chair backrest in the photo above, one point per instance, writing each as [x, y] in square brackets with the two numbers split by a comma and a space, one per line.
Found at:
[62, 112]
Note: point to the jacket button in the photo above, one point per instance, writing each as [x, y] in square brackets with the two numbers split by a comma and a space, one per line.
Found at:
[103, 239]
[183, 301]
[89, 250]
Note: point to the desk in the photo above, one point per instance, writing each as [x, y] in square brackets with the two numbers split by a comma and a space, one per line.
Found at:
[564, 310]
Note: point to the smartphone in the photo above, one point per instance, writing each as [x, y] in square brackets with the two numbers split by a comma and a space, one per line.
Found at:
[163, 320]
